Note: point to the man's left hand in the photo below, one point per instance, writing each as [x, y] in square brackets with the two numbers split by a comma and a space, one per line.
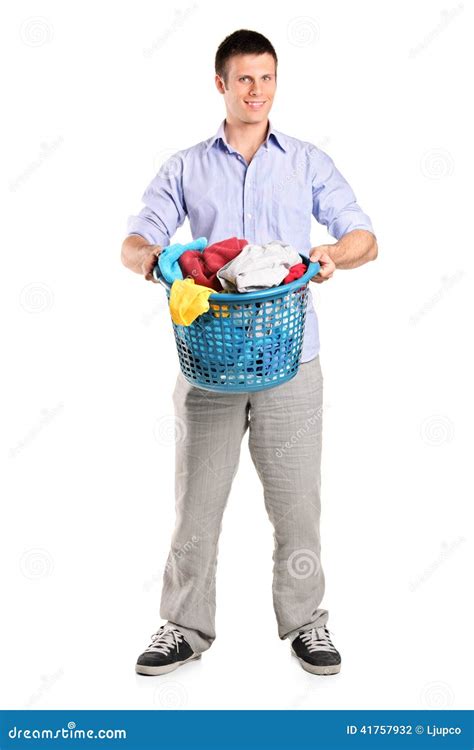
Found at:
[320, 254]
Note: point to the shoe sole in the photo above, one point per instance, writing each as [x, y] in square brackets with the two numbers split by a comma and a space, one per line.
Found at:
[314, 669]
[144, 669]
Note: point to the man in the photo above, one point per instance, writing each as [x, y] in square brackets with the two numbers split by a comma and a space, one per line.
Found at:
[253, 182]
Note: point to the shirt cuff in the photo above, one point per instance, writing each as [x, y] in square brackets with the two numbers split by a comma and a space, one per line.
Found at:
[137, 225]
[345, 223]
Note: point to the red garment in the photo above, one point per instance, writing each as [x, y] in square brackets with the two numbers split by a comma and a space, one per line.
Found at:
[203, 266]
[295, 272]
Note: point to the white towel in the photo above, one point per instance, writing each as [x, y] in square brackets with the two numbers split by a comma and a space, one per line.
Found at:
[258, 267]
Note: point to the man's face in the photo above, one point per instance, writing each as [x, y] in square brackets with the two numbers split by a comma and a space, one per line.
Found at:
[250, 87]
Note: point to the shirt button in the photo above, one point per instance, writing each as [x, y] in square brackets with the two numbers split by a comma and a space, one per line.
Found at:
[249, 216]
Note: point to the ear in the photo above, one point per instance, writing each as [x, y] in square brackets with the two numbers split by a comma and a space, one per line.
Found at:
[219, 84]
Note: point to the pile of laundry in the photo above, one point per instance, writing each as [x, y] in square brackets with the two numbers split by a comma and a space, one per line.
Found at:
[254, 338]
[196, 270]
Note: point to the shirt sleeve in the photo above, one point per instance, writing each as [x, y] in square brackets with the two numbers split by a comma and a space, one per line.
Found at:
[334, 202]
[164, 210]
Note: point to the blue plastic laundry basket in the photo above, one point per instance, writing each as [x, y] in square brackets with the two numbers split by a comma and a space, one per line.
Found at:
[245, 342]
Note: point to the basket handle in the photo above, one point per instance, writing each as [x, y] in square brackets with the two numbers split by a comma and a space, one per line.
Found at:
[157, 275]
[312, 270]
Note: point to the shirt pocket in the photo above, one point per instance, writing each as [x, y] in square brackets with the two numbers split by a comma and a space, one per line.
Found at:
[291, 208]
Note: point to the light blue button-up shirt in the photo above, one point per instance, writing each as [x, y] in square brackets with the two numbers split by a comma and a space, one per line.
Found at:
[272, 198]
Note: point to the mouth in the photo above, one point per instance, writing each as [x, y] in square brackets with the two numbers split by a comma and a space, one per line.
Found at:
[257, 104]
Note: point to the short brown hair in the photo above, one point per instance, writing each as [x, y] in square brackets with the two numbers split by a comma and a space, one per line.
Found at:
[242, 42]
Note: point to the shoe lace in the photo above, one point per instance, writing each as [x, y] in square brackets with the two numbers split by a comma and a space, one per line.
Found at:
[164, 639]
[318, 639]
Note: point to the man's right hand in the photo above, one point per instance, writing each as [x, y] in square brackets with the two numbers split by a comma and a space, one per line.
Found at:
[139, 256]
[149, 262]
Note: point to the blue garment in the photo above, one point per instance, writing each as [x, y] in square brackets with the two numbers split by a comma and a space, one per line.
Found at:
[272, 198]
[168, 258]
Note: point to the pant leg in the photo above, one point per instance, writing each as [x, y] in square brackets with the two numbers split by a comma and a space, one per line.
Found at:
[285, 441]
[210, 428]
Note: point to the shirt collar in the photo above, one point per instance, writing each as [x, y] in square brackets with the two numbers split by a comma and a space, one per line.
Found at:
[272, 135]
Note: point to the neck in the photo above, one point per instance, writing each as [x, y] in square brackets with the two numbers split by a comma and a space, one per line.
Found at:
[245, 136]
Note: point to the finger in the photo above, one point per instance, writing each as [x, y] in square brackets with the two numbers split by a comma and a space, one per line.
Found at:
[320, 279]
[324, 270]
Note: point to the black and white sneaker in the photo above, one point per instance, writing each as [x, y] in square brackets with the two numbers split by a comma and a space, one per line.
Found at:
[167, 651]
[316, 652]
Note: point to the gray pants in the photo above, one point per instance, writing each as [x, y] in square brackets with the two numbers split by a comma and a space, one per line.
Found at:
[285, 429]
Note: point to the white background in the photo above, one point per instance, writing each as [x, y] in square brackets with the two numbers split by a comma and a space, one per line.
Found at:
[97, 96]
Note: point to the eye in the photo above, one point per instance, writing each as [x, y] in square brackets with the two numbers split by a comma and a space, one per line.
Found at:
[243, 78]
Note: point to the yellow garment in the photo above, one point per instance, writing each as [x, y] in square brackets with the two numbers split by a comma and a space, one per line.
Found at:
[188, 300]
